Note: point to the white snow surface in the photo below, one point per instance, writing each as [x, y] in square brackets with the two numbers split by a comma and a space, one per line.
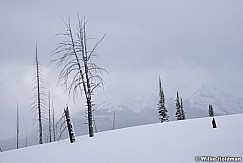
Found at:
[171, 142]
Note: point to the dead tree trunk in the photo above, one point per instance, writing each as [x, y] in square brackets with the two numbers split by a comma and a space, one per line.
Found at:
[39, 104]
[53, 122]
[49, 116]
[38, 98]
[17, 141]
[69, 126]
[214, 123]
[114, 118]
[26, 140]
[78, 64]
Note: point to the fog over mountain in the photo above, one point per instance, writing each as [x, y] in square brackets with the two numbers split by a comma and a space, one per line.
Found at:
[129, 111]
[186, 43]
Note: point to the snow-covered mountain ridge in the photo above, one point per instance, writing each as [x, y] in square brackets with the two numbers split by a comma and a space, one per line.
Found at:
[223, 102]
[128, 110]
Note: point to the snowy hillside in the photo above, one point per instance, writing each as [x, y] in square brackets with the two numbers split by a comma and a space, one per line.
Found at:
[133, 111]
[177, 142]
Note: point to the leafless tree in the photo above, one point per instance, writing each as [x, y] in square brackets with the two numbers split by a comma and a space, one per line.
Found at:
[79, 72]
[61, 124]
[114, 118]
[17, 139]
[26, 139]
[53, 122]
[39, 104]
[49, 115]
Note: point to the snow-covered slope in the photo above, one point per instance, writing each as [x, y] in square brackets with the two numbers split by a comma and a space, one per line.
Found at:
[178, 141]
[133, 110]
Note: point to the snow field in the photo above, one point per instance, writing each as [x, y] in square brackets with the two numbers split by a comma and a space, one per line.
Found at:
[176, 141]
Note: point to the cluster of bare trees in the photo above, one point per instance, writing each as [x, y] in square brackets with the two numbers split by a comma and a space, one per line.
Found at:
[42, 107]
[79, 74]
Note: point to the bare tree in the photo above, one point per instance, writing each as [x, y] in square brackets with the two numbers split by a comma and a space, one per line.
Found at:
[39, 104]
[114, 118]
[26, 139]
[17, 139]
[61, 123]
[49, 115]
[79, 73]
[53, 122]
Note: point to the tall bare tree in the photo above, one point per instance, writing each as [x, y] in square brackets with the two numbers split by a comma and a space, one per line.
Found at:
[114, 119]
[39, 104]
[53, 122]
[79, 72]
[49, 115]
[26, 139]
[17, 138]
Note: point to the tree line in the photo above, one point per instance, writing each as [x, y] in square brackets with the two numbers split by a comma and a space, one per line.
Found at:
[180, 113]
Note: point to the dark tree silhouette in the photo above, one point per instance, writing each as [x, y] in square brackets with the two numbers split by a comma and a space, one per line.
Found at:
[178, 107]
[210, 111]
[17, 138]
[214, 123]
[69, 125]
[49, 115]
[163, 116]
[183, 116]
[53, 122]
[180, 114]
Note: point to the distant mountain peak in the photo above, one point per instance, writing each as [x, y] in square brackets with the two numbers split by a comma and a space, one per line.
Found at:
[223, 102]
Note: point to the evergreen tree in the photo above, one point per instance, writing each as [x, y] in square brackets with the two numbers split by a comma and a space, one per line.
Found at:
[180, 114]
[178, 107]
[210, 111]
[183, 116]
[161, 105]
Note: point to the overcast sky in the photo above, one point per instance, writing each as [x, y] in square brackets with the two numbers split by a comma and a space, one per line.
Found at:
[188, 43]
